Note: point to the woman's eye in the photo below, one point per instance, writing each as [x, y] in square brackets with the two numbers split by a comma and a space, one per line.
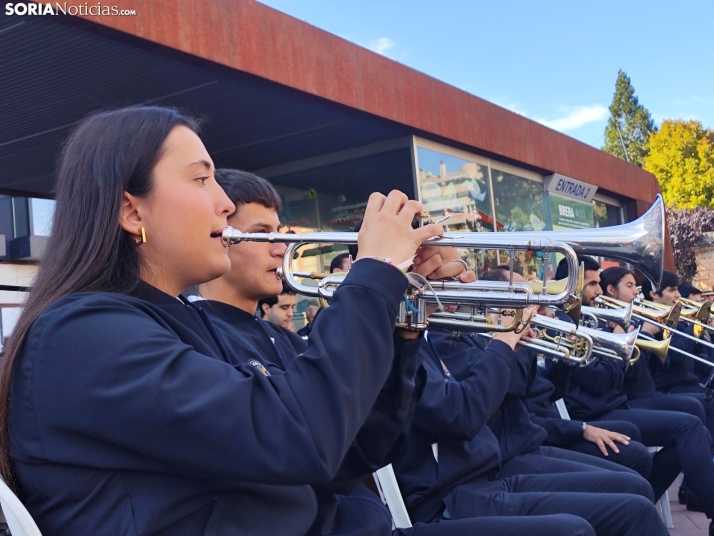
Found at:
[202, 180]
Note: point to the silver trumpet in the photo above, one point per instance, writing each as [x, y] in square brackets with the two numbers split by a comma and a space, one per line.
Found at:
[621, 317]
[412, 314]
[577, 344]
[641, 243]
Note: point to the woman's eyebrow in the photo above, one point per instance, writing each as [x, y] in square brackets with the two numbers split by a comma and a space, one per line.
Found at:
[204, 163]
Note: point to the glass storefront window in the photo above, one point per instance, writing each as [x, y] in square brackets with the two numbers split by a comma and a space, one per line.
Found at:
[332, 197]
[606, 214]
[521, 206]
[42, 211]
[520, 202]
[451, 185]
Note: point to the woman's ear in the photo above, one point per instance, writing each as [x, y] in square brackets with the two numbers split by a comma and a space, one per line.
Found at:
[611, 290]
[129, 217]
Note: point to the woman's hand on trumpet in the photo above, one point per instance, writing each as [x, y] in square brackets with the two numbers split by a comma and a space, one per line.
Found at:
[442, 263]
[387, 231]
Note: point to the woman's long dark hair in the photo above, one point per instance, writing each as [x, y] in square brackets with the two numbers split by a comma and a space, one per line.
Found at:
[107, 154]
[613, 276]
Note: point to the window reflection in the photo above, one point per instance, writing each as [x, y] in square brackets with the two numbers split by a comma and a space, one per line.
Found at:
[520, 203]
[455, 186]
[332, 197]
[606, 214]
[42, 211]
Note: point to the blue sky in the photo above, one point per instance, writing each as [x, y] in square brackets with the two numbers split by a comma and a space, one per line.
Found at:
[553, 61]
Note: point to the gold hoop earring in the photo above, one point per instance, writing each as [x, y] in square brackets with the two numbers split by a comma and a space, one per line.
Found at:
[141, 239]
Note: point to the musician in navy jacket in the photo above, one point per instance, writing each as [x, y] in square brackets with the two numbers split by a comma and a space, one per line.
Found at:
[345, 506]
[676, 375]
[597, 393]
[521, 437]
[704, 372]
[124, 412]
[466, 479]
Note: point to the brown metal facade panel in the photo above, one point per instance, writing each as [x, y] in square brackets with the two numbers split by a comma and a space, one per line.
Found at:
[251, 37]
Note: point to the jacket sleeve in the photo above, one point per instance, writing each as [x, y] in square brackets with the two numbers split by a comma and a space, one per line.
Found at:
[107, 376]
[602, 376]
[458, 410]
[560, 431]
[683, 343]
[383, 434]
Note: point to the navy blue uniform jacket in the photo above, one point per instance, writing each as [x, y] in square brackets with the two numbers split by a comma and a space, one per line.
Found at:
[596, 389]
[129, 417]
[454, 415]
[677, 369]
[345, 505]
[540, 401]
[510, 423]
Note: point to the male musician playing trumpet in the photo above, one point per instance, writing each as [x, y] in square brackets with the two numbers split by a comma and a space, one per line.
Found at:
[597, 392]
[344, 506]
[703, 371]
[676, 374]
[616, 442]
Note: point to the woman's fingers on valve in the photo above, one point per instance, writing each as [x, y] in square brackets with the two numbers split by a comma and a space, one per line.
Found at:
[428, 267]
[374, 204]
[398, 203]
[467, 277]
[422, 234]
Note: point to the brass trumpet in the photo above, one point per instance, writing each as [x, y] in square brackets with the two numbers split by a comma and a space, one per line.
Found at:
[658, 348]
[664, 317]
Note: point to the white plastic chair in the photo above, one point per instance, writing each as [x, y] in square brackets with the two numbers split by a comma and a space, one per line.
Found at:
[18, 518]
[388, 488]
[663, 500]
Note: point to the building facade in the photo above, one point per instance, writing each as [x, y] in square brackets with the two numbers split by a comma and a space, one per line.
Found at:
[326, 121]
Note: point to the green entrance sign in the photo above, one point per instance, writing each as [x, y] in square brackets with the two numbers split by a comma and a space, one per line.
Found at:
[569, 214]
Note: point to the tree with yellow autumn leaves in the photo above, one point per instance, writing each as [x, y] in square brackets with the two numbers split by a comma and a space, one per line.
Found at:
[681, 156]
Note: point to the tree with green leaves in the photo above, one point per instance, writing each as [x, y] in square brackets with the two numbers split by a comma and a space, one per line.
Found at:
[630, 124]
[681, 156]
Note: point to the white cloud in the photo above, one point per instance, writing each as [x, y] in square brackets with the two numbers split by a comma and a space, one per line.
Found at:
[381, 46]
[576, 117]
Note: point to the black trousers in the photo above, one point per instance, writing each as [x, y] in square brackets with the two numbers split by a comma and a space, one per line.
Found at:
[552, 525]
[608, 501]
[687, 448]
[634, 456]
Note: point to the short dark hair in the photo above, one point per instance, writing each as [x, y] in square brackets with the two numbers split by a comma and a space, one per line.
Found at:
[243, 188]
[613, 276]
[337, 261]
[272, 300]
[687, 290]
[500, 273]
[669, 279]
[589, 262]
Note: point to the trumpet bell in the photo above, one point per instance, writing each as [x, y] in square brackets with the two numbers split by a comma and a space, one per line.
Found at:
[658, 348]
[700, 312]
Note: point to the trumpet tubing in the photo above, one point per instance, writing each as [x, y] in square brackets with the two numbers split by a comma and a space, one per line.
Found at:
[621, 317]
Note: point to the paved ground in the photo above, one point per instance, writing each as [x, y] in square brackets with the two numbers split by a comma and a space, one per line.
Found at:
[686, 523]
